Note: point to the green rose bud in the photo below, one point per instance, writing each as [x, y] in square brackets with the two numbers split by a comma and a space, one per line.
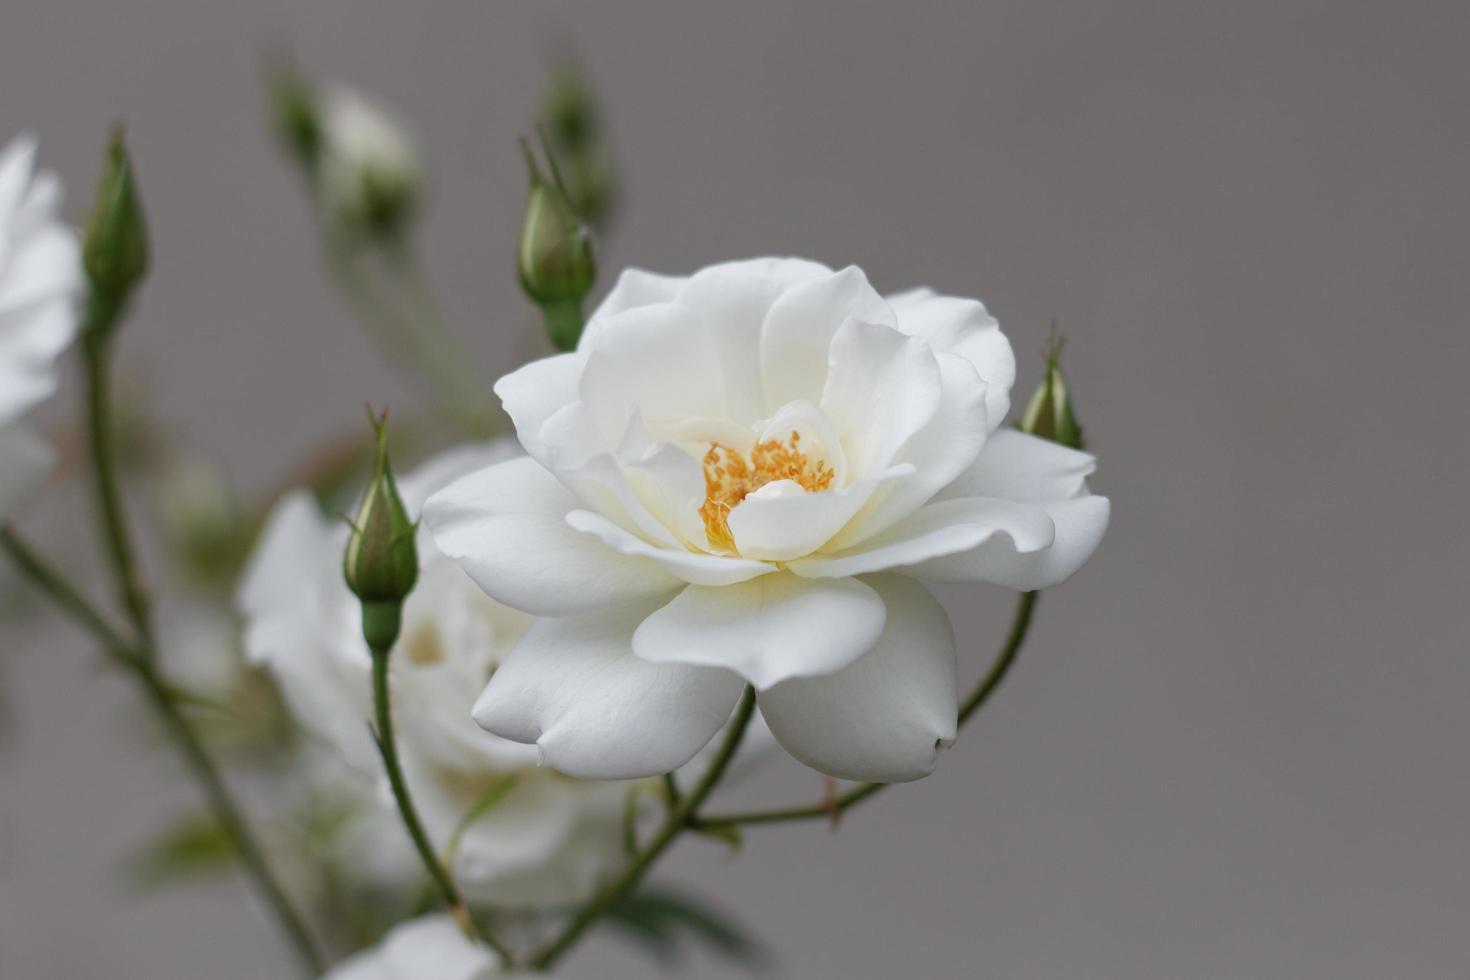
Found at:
[569, 113]
[554, 260]
[575, 133]
[297, 121]
[1049, 413]
[115, 249]
[381, 563]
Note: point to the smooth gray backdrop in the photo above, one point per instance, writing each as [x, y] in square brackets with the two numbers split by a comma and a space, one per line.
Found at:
[1235, 747]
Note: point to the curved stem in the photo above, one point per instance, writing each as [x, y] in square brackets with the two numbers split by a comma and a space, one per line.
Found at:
[228, 814]
[104, 466]
[66, 596]
[679, 819]
[438, 872]
[832, 810]
[406, 325]
[140, 656]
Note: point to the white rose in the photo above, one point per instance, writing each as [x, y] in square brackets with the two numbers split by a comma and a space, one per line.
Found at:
[744, 476]
[40, 275]
[432, 948]
[550, 840]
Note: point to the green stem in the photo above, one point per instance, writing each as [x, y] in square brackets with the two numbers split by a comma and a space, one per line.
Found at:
[831, 810]
[66, 596]
[406, 325]
[101, 317]
[678, 820]
[70, 601]
[104, 465]
[228, 814]
[388, 749]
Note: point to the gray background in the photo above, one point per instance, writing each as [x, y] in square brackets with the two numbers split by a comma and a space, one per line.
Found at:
[1236, 744]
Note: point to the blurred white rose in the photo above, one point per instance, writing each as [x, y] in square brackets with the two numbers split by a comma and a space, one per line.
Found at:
[551, 839]
[431, 948]
[40, 276]
[368, 170]
[744, 476]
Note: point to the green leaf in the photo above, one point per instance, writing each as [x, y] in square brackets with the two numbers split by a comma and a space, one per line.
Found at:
[658, 919]
[193, 847]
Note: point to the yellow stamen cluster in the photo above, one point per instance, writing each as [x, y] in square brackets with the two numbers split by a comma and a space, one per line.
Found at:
[729, 477]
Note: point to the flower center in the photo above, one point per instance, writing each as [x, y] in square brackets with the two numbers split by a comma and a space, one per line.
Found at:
[729, 477]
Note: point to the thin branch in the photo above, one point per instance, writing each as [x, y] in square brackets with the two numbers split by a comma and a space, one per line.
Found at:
[678, 820]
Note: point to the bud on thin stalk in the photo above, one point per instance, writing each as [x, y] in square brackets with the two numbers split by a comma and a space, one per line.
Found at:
[381, 564]
[554, 260]
[115, 249]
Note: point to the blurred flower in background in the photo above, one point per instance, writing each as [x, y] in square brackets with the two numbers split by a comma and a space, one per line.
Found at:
[431, 948]
[518, 834]
[40, 277]
[368, 170]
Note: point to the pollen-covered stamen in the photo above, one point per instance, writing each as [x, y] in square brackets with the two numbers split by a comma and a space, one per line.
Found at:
[729, 477]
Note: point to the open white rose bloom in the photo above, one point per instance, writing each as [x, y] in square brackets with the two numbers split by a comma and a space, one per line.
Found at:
[549, 839]
[746, 476]
[40, 273]
[432, 948]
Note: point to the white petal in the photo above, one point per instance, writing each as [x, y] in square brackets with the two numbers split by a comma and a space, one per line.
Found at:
[1040, 473]
[574, 687]
[436, 947]
[731, 301]
[770, 525]
[507, 526]
[1015, 466]
[26, 459]
[366, 965]
[443, 468]
[30, 340]
[882, 387]
[765, 630]
[534, 393]
[16, 160]
[689, 566]
[597, 475]
[288, 552]
[1080, 524]
[938, 453]
[47, 265]
[633, 289]
[963, 327]
[654, 359]
[884, 717]
[799, 327]
[39, 207]
[942, 528]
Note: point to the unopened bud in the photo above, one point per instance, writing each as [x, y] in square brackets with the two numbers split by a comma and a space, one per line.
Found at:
[555, 260]
[368, 172]
[115, 251]
[575, 133]
[381, 564]
[1049, 413]
[296, 118]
